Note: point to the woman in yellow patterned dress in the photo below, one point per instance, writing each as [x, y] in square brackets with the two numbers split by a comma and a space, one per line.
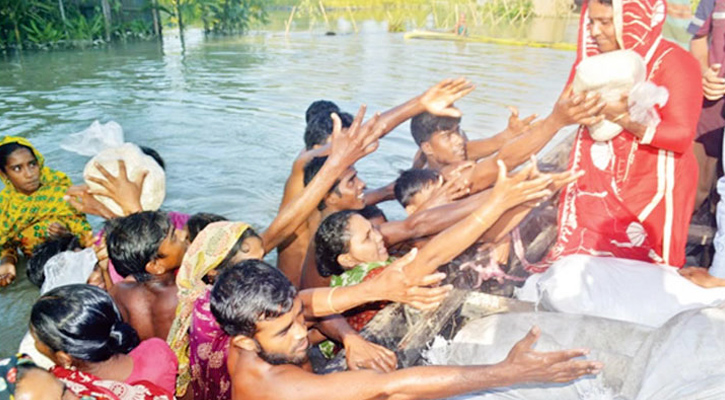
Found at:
[32, 208]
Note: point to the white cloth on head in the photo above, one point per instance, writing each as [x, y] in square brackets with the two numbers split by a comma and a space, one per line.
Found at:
[616, 288]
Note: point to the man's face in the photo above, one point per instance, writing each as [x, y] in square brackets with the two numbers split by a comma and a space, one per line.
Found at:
[447, 147]
[366, 244]
[601, 26]
[171, 252]
[283, 340]
[349, 193]
[23, 171]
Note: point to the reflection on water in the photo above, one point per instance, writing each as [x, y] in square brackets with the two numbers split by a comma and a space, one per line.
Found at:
[228, 114]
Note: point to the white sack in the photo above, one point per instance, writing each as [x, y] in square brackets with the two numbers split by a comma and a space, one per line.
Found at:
[154, 187]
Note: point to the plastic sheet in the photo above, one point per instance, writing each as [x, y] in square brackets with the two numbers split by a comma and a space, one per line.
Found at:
[94, 139]
[620, 289]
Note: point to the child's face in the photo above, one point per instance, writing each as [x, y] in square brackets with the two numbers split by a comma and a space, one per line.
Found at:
[171, 252]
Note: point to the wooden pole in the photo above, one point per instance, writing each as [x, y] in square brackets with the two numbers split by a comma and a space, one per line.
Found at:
[324, 14]
[352, 19]
[106, 8]
[288, 24]
[155, 16]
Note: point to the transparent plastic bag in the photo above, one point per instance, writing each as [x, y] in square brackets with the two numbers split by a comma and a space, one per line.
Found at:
[94, 139]
[643, 98]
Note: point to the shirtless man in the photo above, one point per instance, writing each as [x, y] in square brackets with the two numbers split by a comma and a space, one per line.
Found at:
[437, 100]
[260, 309]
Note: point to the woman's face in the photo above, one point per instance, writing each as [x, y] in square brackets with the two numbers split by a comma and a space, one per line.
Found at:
[251, 249]
[23, 171]
[366, 244]
[601, 26]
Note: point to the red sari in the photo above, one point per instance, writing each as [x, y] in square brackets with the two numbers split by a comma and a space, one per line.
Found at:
[637, 196]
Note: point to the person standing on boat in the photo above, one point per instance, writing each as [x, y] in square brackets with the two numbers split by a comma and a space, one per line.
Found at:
[636, 197]
[32, 208]
[708, 46]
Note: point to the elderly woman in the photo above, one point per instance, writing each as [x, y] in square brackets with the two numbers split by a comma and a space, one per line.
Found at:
[637, 195]
[31, 204]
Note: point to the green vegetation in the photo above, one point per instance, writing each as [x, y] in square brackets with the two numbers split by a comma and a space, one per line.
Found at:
[44, 24]
[216, 16]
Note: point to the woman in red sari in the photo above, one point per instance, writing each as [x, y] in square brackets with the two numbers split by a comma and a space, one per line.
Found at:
[637, 195]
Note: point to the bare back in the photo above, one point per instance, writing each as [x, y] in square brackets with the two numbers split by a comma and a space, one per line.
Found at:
[149, 307]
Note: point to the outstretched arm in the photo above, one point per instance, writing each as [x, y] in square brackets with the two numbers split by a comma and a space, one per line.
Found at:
[295, 182]
[523, 364]
[569, 109]
[477, 149]
[508, 193]
[390, 285]
[346, 149]
[431, 221]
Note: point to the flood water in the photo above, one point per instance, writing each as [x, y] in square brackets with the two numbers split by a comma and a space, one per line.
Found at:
[227, 114]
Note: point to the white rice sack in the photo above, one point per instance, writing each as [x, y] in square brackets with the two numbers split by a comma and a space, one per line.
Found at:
[154, 186]
[682, 360]
[610, 74]
[488, 341]
[615, 288]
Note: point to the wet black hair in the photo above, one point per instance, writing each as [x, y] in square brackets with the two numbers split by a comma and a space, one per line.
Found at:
[155, 155]
[247, 293]
[83, 321]
[134, 241]
[424, 125]
[310, 171]
[372, 211]
[411, 182]
[47, 250]
[199, 221]
[320, 107]
[320, 128]
[9, 148]
[332, 239]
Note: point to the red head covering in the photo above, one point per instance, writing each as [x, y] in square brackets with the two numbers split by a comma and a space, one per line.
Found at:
[638, 25]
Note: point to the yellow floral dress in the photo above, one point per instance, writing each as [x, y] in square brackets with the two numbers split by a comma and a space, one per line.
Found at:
[24, 220]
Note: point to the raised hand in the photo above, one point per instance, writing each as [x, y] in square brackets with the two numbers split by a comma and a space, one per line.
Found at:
[361, 354]
[555, 366]
[80, 198]
[713, 85]
[358, 141]
[455, 187]
[580, 109]
[517, 126]
[394, 285]
[439, 99]
[124, 191]
[524, 186]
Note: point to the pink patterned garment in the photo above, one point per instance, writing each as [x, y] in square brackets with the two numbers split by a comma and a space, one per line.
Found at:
[208, 350]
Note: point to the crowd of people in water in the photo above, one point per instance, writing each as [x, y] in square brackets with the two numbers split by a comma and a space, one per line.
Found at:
[160, 305]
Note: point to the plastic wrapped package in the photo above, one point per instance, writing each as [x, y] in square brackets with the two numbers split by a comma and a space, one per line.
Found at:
[612, 75]
[154, 186]
[68, 267]
[615, 288]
